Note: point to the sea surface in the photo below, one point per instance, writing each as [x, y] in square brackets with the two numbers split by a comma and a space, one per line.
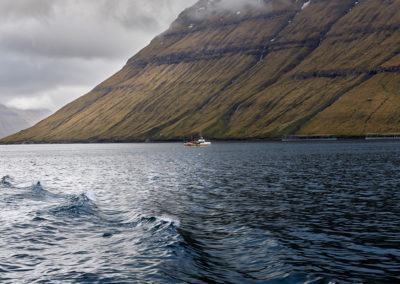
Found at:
[230, 213]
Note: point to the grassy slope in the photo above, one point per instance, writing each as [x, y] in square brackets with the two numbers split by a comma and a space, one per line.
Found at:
[295, 71]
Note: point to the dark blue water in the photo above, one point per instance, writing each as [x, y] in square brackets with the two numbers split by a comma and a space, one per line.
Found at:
[229, 213]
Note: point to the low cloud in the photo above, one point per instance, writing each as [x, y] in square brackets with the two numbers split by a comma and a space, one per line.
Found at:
[207, 8]
[233, 5]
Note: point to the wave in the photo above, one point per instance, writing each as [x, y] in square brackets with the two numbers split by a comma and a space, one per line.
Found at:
[38, 192]
[153, 225]
[84, 205]
[77, 205]
[169, 220]
[136, 219]
[6, 181]
[38, 189]
[34, 191]
[65, 204]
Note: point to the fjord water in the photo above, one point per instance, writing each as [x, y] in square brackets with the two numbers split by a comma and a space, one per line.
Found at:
[229, 213]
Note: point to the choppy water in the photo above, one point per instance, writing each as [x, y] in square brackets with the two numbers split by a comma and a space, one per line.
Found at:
[230, 213]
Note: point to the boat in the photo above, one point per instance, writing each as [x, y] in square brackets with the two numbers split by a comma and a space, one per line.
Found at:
[201, 142]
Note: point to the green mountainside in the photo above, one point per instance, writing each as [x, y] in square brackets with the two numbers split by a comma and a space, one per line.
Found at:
[288, 67]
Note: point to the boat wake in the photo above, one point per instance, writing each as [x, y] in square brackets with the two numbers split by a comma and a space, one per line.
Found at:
[73, 229]
[72, 204]
[49, 205]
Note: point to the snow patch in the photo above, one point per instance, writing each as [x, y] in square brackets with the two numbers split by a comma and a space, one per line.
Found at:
[305, 5]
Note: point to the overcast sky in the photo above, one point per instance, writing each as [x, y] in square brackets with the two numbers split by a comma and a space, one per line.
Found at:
[53, 51]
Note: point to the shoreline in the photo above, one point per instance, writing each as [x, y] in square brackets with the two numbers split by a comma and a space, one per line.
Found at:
[232, 140]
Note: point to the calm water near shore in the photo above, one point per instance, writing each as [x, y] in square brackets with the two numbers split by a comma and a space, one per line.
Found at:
[229, 213]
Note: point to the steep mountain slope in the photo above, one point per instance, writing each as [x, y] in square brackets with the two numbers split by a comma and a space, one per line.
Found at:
[266, 70]
[13, 120]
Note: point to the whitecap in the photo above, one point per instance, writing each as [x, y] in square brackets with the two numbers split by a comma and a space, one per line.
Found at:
[169, 219]
[77, 205]
[91, 196]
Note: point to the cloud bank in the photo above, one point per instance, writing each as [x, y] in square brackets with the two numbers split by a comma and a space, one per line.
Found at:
[53, 51]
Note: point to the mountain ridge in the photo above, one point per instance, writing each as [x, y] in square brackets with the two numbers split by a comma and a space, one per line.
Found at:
[249, 74]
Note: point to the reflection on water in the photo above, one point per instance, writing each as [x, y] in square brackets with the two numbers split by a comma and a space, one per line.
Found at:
[230, 213]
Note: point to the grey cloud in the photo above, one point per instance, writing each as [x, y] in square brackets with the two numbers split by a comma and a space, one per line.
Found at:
[52, 51]
[152, 14]
[232, 5]
[86, 29]
[129, 15]
[31, 75]
[207, 8]
[26, 82]
[25, 9]
[83, 29]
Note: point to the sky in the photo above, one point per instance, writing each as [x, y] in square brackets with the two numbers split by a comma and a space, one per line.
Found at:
[54, 51]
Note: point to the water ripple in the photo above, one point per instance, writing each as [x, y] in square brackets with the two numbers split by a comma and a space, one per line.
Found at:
[231, 213]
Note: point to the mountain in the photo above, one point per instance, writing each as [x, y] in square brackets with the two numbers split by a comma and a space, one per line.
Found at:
[261, 70]
[13, 120]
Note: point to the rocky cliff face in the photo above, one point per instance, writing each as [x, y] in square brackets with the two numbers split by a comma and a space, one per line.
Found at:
[261, 70]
